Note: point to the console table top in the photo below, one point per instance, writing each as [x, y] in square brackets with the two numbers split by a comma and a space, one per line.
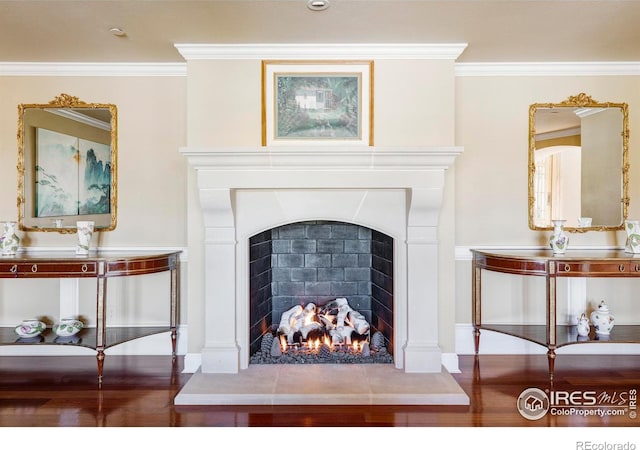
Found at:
[70, 255]
[570, 254]
[66, 264]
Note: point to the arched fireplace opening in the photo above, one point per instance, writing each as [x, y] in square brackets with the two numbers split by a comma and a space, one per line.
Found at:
[338, 274]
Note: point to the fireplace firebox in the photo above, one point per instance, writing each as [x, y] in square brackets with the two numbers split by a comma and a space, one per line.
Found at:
[321, 292]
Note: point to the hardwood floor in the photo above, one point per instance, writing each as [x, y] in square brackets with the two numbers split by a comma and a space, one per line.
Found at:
[138, 392]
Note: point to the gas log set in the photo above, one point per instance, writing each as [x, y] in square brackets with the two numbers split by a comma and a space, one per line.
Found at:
[334, 333]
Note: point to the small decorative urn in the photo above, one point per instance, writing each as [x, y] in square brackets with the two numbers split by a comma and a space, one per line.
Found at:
[583, 325]
[30, 328]
[602, 319]
[84, 233]
[559, 239]
[9, 240]
[632, 227]
[67, 327]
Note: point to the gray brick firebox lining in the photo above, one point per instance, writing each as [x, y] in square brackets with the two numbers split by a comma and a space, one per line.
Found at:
[318, 261]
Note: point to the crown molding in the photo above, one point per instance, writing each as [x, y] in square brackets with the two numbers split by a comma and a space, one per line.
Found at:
[73, 114]
[320, 51]
[311, 52]
[93, 69]
[547, 69]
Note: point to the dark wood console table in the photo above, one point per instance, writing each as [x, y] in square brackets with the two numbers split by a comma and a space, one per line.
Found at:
[101, 266]
[543, 263]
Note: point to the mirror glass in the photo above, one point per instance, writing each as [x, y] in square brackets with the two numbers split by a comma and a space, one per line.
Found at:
[67, 167]
[578, 164]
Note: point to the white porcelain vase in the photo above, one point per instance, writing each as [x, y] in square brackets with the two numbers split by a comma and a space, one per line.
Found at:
[583, 325]
[9, 240]
[602, 319]
[632, 227]
[84, 232]
[559, 239]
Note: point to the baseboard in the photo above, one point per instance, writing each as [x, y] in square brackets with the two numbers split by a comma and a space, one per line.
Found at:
[192, 362]
[450, 362]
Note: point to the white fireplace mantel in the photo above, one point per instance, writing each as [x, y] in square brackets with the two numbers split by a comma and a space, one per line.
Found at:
[396, 190]
[325, 157]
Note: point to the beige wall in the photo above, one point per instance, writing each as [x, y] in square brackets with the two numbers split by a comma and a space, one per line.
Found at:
[151, 172]
[492, 125]
[151, 179]
[218, 104]
[491, 175]
[413, 102]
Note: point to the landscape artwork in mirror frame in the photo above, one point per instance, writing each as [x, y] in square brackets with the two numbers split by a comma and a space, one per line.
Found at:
[317, 102]
[73, 175]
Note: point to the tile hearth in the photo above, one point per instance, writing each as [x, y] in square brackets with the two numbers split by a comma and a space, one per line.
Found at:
[322, 384]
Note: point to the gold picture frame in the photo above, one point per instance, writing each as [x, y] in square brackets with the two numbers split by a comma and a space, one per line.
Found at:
[317, 102]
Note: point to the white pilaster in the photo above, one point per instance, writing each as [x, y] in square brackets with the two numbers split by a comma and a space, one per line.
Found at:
[422, 352]
[221, 353]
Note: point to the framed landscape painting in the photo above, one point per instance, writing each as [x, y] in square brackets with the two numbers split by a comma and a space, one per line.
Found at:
[317, 102]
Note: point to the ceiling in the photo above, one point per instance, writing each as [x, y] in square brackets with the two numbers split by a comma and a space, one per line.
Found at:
[495, 31]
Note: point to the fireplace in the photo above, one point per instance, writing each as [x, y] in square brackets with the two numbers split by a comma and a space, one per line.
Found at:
[320, 292]
[397, 192]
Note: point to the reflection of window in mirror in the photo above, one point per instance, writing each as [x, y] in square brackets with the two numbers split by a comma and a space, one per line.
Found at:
[558, 184]
[557, 162]
[542, 190]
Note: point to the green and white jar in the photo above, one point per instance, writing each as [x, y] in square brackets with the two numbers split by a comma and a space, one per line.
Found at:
[68, 326]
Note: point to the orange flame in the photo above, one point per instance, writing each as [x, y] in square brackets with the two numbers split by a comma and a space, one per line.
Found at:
[313, 344]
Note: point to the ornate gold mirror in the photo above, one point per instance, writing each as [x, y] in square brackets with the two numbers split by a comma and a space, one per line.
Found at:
[578, 164]
[67, 165]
